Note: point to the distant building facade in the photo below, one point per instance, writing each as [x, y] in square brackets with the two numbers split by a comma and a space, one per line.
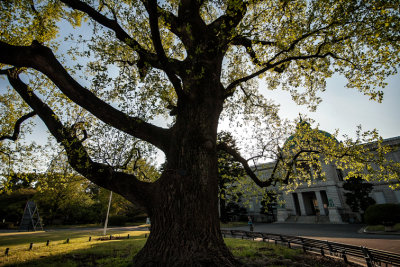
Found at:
[323, 201]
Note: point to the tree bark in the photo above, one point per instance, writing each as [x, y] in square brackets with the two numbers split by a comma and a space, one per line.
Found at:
[185, 228]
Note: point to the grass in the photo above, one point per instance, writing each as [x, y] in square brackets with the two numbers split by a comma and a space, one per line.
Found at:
[78, 252]
[381, 227]
[251, 249]
[117, 253]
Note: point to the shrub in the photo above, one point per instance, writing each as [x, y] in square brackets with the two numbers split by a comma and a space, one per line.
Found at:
[385, 214]
[6, 225]
[139, 218]
[117, 220]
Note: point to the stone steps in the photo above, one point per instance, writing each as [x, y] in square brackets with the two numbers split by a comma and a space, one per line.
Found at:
[308, 219]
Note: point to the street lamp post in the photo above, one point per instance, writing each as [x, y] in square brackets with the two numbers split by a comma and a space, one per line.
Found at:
[108, 211]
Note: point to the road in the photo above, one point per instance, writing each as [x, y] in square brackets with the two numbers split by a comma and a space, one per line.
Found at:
[341, 233]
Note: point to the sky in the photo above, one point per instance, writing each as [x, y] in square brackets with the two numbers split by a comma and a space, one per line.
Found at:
[344, 108]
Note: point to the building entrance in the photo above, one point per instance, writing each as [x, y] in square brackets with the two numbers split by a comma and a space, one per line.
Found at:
[325, 202]
[296, 204]
[310, 203]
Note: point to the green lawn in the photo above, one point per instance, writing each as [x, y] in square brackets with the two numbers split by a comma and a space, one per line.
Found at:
[116, 253]
[381, 227]
[78, 252]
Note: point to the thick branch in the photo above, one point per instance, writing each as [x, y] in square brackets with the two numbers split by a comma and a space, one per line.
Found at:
[78, 157]
[230, 88]
[189, 10]
[151, 7]
[124, 165]
[109, 23]
[224, 25]
[240, 40]
[120, 33]
[171, 20]
[42, 59]
[272, 179]
[293, 160]
[17, 127]
[278, 65]
[249, 171]
[248, 44]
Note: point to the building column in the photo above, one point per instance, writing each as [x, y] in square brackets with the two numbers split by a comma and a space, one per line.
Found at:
[320, 203]
[301, 203]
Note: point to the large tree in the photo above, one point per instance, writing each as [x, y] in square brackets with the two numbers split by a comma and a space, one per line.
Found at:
[191, 61]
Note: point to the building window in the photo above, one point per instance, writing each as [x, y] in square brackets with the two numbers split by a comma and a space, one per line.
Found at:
[339, 174]
[379, 198]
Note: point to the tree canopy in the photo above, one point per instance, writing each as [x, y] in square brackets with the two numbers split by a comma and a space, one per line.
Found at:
[87, 68]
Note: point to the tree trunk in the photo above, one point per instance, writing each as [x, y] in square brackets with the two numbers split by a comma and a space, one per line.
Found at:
[185, 229]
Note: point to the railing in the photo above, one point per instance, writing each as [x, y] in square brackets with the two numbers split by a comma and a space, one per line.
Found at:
[372, 257]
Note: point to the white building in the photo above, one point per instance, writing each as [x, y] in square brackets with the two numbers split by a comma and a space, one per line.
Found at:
[324, 201]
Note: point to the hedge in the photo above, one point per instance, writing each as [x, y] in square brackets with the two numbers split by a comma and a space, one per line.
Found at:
[385, 214]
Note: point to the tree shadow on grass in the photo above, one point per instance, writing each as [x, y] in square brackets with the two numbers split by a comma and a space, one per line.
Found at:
[26, 238]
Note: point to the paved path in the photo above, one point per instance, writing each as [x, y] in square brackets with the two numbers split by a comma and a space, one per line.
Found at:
[341, 233]
[94, 229]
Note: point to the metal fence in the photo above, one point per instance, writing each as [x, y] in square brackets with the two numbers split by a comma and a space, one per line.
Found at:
[371, 257]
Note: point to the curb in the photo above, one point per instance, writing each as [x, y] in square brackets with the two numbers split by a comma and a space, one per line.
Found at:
[363, 230]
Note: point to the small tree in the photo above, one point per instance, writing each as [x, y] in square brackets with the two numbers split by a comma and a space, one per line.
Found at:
[358, 196]
[12, 204]
[234, 211]
[229, 174]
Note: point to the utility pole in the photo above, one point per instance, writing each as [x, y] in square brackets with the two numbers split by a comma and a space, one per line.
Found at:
[108, 211]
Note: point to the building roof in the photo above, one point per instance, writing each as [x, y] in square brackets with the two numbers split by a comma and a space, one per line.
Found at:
[301, 126]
